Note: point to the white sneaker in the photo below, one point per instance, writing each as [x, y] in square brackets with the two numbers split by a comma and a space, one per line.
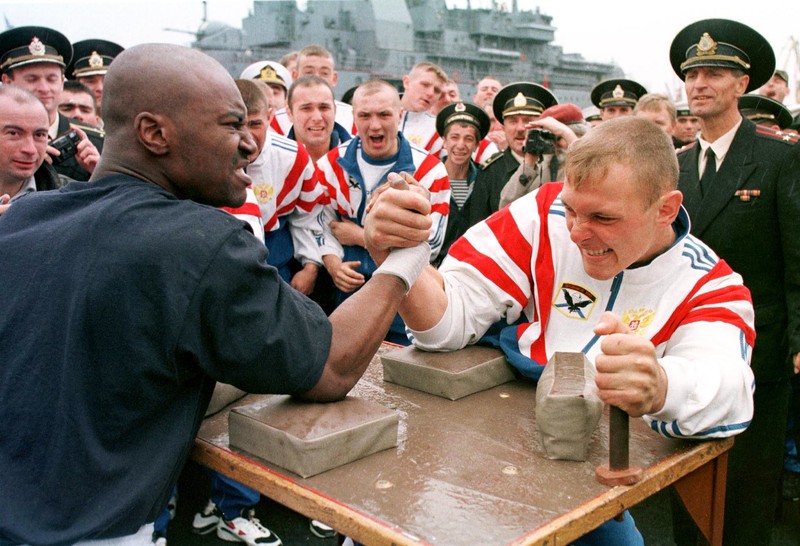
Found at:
[248, 530]
[320, 530]
[206, 521]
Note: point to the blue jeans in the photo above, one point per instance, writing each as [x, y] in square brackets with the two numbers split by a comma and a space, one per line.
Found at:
[162, 521]
[618, 533]
[231, 497]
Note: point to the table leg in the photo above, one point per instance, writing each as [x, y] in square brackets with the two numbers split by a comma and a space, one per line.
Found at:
[702, 488]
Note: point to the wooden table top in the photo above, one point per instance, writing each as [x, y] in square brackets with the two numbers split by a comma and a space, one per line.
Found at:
[462, 469]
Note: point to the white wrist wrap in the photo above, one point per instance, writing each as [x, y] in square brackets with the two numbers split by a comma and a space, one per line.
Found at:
[406, 263]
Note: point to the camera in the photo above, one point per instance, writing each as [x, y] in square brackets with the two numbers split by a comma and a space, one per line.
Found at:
[540, 142]
[67, 145]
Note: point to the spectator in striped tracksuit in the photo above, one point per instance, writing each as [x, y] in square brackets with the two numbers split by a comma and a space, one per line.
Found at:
[354, 170]
[603, 264]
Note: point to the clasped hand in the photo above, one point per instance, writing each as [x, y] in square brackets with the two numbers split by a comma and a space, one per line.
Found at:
[397, 218]
[629, 375]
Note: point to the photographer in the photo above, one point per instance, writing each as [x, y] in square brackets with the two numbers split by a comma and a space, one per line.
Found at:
[34, 59]
[515, 106]
[550, 135]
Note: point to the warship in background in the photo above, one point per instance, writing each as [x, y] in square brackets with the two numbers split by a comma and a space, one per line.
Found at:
[385, 38]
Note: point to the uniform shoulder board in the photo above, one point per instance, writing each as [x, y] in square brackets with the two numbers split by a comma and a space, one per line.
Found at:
[88, 129]
[491, 160]
[686, 147]
[774, 134]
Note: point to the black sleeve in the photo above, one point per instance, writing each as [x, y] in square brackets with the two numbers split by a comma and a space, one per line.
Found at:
[247, 327]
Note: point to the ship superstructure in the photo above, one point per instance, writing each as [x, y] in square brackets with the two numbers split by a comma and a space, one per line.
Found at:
[385, 38]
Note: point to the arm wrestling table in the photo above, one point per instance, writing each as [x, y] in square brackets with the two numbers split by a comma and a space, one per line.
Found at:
[474, 467]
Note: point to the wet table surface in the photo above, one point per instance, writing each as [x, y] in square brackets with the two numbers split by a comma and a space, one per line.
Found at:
[468, 471]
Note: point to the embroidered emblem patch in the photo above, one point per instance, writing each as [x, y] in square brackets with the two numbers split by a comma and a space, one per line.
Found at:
[638, 319]
[574, 301]
[264, 193]
[36, 47]
[416, 140]
[95, 60]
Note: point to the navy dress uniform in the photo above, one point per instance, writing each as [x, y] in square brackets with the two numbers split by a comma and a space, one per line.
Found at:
[24, 46]
[515, 98]
[71, 168]
[474, 115]
[750, 215]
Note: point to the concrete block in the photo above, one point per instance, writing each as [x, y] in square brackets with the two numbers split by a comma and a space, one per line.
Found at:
[308, 438]
[451, 375]
[567, 406]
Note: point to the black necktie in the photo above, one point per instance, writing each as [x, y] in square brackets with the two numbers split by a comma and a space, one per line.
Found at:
[709, 173]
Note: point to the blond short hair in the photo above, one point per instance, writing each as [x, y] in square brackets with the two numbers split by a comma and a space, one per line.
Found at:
[372, 87]
[635, 142]
[656, 102]
[427, 66]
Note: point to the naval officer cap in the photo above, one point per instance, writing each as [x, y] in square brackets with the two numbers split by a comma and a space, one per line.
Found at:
[22, 46]
[617, 92]
[782, 74]
[591, 113]
[682, 110]
[723, 43]
[463, 112]
[758, 108]
[268, 72]
[522, 98]
[92, 58]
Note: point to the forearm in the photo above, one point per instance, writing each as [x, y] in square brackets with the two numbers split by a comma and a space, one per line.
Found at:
[359, 326]
[306, 248]
[523, 181]
[709, 383]
[426, 302]
[447, 315]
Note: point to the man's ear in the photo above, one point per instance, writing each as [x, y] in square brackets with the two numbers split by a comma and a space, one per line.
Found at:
[669, 206]
[742, 84]
[153, 132]
[6, 79]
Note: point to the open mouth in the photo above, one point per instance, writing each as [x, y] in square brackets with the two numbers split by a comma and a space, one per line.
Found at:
[595, 253]
[241, 175]
[377, 140]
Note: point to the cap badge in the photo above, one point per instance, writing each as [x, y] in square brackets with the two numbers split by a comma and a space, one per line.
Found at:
[268, 73]
[706, 45]
[520, 100]
[95, 60]
[36, 47]
[618, 93]
[460, 107]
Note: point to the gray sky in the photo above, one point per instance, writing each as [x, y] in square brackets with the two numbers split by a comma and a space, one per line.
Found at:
[635, 34]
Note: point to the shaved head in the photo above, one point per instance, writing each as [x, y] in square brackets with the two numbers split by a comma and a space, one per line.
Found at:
[163, 118]
[140, 81]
